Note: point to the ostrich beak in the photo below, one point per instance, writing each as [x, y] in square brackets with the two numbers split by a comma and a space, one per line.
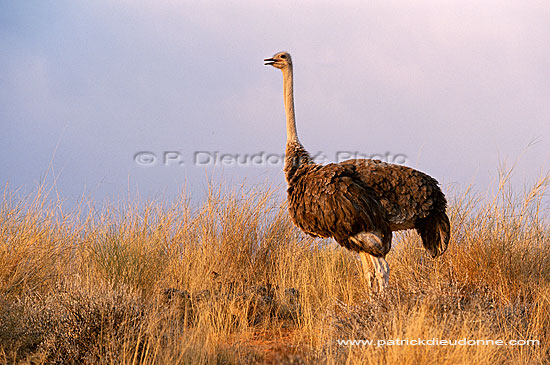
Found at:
[269, 61]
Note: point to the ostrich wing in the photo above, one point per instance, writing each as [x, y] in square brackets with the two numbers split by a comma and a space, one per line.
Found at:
[405, 194]
[332, 201]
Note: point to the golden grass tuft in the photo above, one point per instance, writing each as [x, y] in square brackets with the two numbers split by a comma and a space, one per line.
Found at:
[232, 281]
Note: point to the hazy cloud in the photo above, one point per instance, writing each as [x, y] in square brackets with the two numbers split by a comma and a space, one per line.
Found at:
[456, 86]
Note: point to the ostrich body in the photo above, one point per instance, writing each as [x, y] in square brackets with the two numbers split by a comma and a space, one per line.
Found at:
[359, 202]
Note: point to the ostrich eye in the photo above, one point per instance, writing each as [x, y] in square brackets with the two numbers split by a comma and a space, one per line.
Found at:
[283, 57]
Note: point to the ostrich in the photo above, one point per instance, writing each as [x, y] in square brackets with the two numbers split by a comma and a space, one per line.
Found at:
[359, 202]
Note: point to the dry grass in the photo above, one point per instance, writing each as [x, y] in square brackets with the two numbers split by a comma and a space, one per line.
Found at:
[233, 281]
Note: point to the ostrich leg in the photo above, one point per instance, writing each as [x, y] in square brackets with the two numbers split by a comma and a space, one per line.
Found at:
[382, 270]
[376, 271]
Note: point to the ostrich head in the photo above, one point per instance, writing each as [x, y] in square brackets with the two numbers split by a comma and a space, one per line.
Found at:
[279, 60]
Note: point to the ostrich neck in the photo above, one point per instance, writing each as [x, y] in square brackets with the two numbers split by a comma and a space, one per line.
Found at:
[288, 90]
[296, 155]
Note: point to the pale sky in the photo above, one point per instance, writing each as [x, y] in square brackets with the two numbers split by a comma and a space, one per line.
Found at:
[453, 88]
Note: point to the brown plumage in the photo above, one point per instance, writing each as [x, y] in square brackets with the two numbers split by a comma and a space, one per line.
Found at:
[359, 202]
